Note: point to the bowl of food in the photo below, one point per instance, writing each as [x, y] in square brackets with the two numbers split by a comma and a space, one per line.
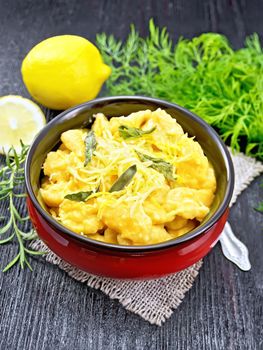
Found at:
[129, 187]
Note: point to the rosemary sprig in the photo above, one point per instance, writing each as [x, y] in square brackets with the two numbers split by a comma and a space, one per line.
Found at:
[11, 189]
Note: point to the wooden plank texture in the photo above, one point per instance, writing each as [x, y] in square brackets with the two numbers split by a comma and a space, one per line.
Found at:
[46, 309]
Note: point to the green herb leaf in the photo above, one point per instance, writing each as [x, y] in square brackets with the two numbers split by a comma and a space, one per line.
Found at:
[12, 263]
[159, 165]
[90, 146]
[128, 132]
[81, 196]
[124, 179]
[259, 208]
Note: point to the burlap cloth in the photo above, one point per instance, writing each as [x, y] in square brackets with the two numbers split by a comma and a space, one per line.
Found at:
[155, 300]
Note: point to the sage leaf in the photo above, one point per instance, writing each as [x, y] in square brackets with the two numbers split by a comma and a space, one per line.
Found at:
[124, 179]
[128, 132]
[81, 196]
[159, 165]
[90, 146]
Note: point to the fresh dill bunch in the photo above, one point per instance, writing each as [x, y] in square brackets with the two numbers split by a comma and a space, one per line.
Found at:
[11, 190]
[205, 75]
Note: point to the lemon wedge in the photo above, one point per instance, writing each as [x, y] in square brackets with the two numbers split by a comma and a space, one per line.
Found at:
[20, 119]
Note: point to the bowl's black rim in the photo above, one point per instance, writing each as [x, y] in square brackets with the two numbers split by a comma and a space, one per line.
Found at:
[142, 248]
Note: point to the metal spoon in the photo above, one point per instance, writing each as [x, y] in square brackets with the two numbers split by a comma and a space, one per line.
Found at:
[233, 249]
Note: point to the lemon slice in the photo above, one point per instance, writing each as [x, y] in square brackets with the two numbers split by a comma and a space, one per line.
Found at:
[20, 119]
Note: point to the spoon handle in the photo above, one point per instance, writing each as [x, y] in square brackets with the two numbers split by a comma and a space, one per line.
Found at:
[233, 249]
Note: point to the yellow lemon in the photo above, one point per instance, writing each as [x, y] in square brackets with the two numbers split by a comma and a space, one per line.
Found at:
[20, 119]
[63, 71]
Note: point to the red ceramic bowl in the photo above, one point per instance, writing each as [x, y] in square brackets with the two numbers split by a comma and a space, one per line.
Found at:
[132, 262]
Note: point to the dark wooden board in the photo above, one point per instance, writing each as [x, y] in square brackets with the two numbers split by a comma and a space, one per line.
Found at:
[46, 309]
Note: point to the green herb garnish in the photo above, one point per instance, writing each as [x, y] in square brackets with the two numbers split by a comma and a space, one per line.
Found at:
[81, 196]
[159, 165]
[90, 146]
[124, 179]
[259, 208]
[11, 189]
[204, 74]
[128, 132]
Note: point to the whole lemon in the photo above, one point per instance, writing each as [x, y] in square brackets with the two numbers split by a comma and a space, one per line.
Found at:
[63, 71]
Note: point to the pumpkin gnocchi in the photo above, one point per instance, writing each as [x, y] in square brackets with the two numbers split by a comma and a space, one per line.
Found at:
[134, 180]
